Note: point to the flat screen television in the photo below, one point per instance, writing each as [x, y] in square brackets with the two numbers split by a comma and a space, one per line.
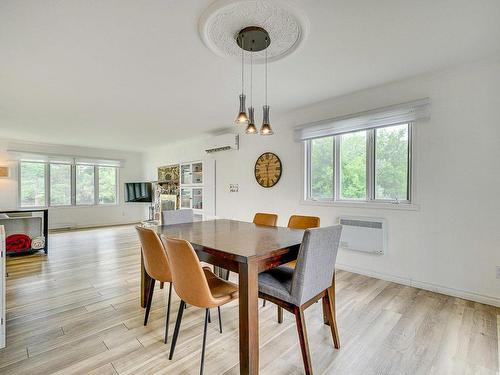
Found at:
[138, 192]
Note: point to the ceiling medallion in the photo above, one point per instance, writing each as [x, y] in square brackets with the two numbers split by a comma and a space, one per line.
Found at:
[286, 25]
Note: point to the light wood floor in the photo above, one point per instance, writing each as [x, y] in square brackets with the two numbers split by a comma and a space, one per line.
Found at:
[77, 311]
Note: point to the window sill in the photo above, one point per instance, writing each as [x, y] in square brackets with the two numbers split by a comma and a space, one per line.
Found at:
[364, 204]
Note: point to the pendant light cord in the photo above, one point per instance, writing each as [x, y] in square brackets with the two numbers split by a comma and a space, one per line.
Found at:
[251, 79]
[242, 71]
[267, 45]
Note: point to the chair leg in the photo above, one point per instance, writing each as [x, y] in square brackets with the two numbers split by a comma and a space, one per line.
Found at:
[304, 345]
[202, 364]
[168, 313]
[280, 314]
[329, 303]
[176, 330]
[150, 299]
[220, 319]
[209, 316]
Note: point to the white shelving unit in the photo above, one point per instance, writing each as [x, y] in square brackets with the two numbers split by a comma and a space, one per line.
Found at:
[197, 187]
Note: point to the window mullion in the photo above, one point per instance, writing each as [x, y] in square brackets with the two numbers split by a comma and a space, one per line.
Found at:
[336, 168]
[73, 184]
[307, 171]
[96, 184]
[409, 180]
[370, 164]
[47, 184]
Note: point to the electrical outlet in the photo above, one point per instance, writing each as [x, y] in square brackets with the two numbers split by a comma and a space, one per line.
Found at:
[498, 272]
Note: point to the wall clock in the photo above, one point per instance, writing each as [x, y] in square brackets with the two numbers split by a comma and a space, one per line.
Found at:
[268, 169]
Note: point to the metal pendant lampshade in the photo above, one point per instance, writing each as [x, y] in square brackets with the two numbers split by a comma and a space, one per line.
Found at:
[251, 129]
[242, 117]
[266, 129]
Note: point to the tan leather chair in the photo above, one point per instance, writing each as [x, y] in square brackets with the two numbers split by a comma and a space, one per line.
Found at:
[269, 220]
[157, 267]
[303, 222]
[195, 286]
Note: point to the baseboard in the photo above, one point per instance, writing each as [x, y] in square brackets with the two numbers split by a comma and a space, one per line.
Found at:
[471, 296]
[59, 228]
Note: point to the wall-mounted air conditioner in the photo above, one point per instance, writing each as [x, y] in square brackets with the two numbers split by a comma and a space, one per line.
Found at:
[364, 234]
[222, 142]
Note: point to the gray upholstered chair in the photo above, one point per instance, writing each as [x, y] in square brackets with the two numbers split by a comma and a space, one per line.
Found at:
[312, 279]
[172, 217]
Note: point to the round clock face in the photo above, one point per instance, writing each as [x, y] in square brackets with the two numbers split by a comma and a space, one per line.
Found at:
[268, 169]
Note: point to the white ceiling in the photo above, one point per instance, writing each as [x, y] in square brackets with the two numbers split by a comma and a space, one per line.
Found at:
[129, 74]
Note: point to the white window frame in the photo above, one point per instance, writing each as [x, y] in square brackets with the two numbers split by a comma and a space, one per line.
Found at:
[73, 186]
[370, 201]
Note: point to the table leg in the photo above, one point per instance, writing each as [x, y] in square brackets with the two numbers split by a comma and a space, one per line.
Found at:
[249, 318]
[145, 280]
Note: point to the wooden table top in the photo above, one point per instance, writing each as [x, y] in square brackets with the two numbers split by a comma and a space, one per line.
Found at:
[236, 240]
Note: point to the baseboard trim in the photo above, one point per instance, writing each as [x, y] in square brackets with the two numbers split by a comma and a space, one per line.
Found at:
[471, 296]
[90, 226]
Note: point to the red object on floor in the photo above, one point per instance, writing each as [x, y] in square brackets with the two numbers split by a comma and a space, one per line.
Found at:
[16, 243]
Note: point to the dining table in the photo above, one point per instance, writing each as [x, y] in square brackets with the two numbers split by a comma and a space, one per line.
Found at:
[246, 249]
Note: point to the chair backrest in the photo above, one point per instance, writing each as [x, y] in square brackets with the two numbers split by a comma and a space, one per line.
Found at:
[269, 220]
[154, 255]
[177, 216]
[303, 222]
[190, 282]
[315, 263]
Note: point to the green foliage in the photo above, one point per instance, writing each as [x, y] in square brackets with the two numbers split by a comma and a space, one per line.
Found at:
[33, 184]
[322, 168]
[391, 163]
[107, 185]
[353, 165]
[60, 184]
[84, 184]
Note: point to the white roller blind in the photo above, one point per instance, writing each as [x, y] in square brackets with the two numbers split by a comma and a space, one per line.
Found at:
[374, 118]
[65, 159]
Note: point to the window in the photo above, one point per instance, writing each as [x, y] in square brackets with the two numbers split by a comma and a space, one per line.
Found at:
[367, 165]
[391, 163]
[60, 184]
[353, 165]
[85, 184]
[107, 185]
[321, 171]
[32, 184]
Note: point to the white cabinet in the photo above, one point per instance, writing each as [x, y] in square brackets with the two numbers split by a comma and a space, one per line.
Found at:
[192, 197]
[197, 186]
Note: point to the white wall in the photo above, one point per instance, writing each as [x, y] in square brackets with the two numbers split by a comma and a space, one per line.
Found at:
[452, 242]
[77, 216]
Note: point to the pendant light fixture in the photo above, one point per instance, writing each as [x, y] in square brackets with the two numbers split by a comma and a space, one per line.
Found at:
[251, 129]
[266, 129]
[242, 114]
[253, 39]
